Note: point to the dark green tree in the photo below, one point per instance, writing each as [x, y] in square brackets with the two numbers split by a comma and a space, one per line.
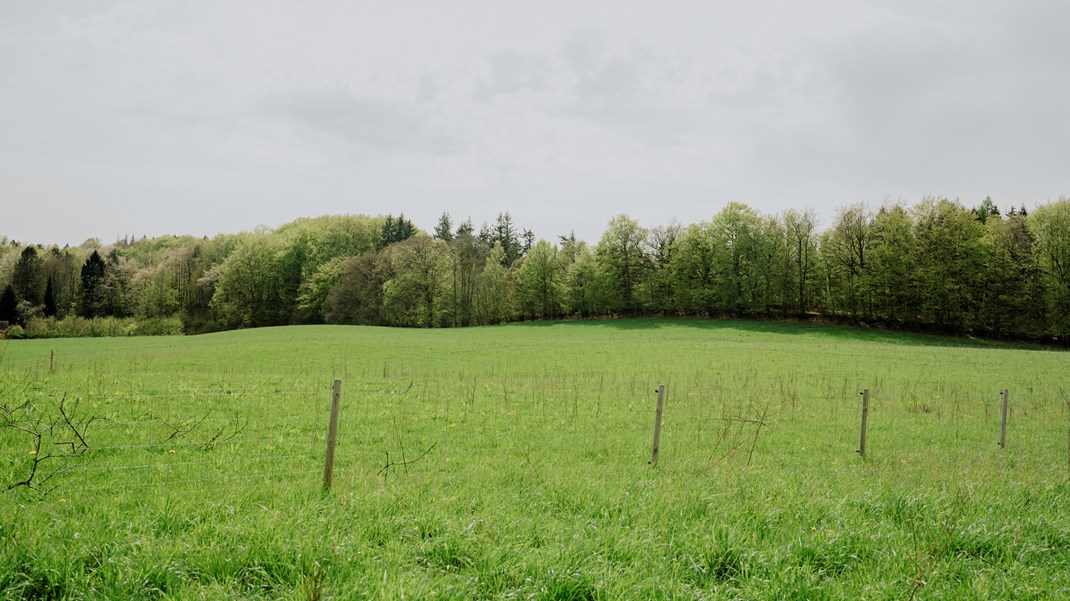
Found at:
[396, 230]
[28, 278]
[503, 233]
[9, 304]
[444, 229]
[50, 299]
[466, 228]
[528, 238]
[357, 297]
[94, 297]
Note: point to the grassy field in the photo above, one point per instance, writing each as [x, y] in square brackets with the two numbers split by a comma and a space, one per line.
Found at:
[512, 462]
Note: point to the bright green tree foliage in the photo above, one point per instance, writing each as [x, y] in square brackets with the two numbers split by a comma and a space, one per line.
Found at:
[251, 286]
[890, 273]
[414, 295]
[1051, 224]
[495, 290]
[1012, 297]
[934, 265]
[622, 255]
[948, 262]
[540, 280]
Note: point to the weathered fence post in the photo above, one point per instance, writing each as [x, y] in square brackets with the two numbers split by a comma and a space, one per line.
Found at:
[1003, 425]
[52, 362]
[865, 416]
[657, 424]
[332, 435]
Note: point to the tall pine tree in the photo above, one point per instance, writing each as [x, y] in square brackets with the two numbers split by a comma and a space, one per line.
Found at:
[396, 230]
[50, 298]
[94, 297]
[444, 229]
[9, 305]
[28, 278]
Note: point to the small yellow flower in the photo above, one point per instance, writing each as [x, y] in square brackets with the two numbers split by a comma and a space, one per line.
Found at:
[172, 451]
[813, 528]
[452, 426]
[32, 453]
[63, 500]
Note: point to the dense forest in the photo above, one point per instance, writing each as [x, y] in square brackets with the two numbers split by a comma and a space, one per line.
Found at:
[936, 265]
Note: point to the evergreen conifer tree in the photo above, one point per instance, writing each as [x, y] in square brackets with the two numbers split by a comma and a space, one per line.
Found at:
[444, 229]
[9, 311]
[28, 279]
[94, 299]
[50, 298]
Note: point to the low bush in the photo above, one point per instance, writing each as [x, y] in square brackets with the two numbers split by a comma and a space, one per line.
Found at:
[98, 327]
[15, 332]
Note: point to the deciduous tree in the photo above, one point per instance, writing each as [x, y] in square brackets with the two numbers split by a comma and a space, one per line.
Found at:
[1051, 224]
[622, 255]
[540, 282]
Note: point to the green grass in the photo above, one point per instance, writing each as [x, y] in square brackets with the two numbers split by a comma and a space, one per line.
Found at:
[536, 482]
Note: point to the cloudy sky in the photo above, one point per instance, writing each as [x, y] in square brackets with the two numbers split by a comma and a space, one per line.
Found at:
[150, 117]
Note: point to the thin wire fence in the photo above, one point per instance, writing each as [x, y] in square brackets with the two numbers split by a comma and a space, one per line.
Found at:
[226, 436]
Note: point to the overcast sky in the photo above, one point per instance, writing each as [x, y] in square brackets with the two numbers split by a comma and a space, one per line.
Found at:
[150, 117]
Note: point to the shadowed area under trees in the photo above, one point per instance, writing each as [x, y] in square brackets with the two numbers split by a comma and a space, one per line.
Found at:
[936, 266]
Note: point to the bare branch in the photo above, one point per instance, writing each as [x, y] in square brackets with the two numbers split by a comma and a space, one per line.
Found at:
[220, 439]
[179, 431]
[390, 464]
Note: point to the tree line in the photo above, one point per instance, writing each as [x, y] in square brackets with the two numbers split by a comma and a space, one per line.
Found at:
[935, 265]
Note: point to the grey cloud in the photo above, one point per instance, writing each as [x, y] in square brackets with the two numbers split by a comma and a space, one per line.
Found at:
[368, 123]
[943, 100]
[599, 75]
[513, 72]
[195, 104]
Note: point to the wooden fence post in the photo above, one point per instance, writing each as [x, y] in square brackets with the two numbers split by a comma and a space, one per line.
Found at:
[657, 424]
[865, 417]
[1003, 424]
[332, 435]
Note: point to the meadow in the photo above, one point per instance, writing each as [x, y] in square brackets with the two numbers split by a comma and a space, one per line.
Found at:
[513, 462]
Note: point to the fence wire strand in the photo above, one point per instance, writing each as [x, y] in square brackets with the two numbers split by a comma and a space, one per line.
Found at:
[377, 420]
